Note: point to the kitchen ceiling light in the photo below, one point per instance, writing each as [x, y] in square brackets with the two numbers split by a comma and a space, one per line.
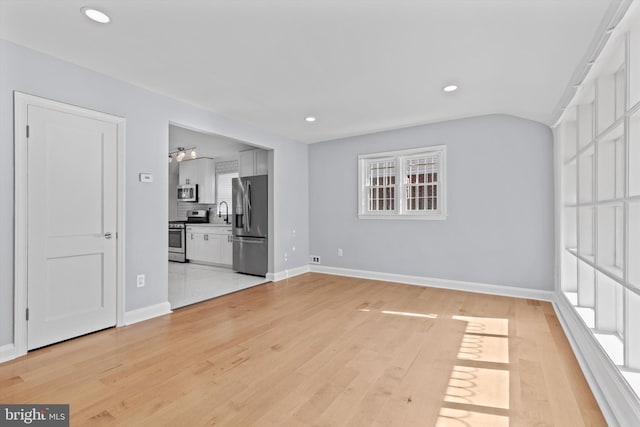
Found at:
[310, 119]
[180, 153]
[95, 15]
[450, 88]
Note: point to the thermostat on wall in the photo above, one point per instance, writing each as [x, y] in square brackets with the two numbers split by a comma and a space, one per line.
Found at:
[146, 177]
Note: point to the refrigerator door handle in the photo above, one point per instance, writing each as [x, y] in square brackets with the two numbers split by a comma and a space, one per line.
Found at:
[248, 205]
[244, 208]
[251, 240]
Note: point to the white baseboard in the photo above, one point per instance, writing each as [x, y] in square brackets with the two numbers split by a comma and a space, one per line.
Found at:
[7, 352]
[617, 400]
[146, 313]
[286, 274]
[457, 285]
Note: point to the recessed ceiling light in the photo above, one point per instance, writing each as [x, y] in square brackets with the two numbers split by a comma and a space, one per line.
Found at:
[450, 88]
[95, 15]
[310, 119]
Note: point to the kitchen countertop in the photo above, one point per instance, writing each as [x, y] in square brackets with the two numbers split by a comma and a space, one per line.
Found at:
[207, 224]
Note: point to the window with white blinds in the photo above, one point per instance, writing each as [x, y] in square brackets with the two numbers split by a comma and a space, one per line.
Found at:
[381, 188]
[402, 184]
[224, 190]
[422, 182]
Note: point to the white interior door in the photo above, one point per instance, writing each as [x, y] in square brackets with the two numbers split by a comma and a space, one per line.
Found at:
[71, 224]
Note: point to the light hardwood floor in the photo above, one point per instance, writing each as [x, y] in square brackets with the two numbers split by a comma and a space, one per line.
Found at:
[319, 350]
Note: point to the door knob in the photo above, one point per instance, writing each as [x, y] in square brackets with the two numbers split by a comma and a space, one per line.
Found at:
[107, 235]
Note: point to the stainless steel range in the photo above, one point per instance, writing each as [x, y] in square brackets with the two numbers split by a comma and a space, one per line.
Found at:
[177, 241]
[177, 234]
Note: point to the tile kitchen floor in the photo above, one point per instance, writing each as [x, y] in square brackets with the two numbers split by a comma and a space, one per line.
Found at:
[190, 283]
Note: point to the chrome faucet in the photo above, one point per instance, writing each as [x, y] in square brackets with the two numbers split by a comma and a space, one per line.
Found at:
[226, 206]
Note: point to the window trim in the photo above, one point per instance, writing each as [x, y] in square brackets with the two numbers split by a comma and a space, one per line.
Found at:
[401, 213]
[230, 202]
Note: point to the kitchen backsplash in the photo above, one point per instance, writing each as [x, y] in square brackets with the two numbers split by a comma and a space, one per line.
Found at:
[183, 207]
[227, 167]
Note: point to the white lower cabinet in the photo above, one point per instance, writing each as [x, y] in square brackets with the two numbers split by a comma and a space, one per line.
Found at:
[227, 249]
[209, 245]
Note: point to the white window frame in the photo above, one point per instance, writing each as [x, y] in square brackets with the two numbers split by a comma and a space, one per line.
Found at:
[218, 196]
[401, 211]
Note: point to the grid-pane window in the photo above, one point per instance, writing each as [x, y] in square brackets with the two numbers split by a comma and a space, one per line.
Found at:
[422, 183]
[381, 185]
[408, 184]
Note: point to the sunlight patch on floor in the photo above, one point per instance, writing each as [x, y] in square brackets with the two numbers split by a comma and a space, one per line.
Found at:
[462, 418]
[478, 390]
[484, 349]
[479, 386]
[401, 313]
[409, 314]
[485, 325]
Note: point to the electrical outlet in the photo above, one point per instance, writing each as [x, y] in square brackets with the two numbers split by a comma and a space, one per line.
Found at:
[339, 251]
[140, 280]
[314, 259]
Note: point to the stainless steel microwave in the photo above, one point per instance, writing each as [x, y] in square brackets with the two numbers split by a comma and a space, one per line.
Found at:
[188, 193]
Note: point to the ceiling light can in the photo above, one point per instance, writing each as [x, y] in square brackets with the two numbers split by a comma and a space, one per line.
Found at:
[450, 88]
[95, 15]
[310, 119]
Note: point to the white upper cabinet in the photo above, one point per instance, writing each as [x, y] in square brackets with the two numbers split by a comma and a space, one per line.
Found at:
[261, 165]
[188, 172]
[253, 162]
[200, 172]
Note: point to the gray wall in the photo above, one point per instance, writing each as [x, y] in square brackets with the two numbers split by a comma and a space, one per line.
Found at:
[148, 116]
[499, 228]
[173, 181]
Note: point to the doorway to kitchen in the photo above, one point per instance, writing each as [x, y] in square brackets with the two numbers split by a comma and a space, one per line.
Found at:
[206, 226]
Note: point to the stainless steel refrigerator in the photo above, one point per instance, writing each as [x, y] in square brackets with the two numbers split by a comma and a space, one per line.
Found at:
[250, 225]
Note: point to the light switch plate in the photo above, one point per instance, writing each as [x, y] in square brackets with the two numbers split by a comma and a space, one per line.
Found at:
[146, 177]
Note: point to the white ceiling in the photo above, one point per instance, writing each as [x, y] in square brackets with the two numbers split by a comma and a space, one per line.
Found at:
[358, 66]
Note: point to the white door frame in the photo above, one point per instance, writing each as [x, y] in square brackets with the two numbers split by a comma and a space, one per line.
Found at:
[21, 101]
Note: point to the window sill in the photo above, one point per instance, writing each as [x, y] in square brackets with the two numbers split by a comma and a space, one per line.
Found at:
[440, 217]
